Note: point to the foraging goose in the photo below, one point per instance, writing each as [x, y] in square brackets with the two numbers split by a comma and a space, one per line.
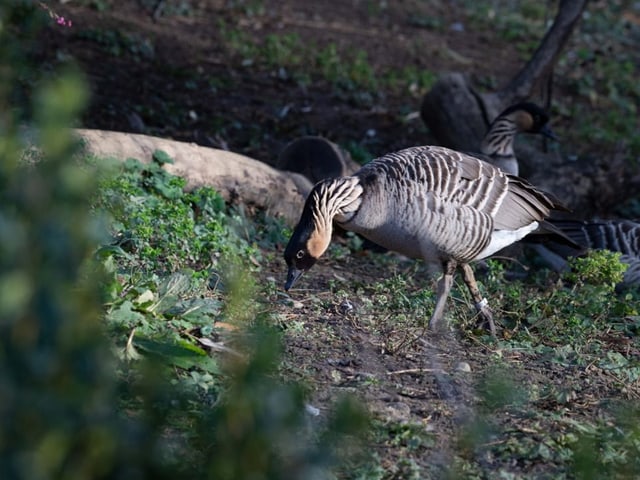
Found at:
[427, 202]
[615, 235]
[497, 144]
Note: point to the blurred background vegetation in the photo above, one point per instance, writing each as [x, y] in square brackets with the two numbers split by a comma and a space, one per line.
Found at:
[143, 326]
[70, 405]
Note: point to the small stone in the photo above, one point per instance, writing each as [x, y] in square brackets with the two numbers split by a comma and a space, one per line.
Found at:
[397, 412]
[311, 410]
[463, 367]
[345, 307]
[297, 305]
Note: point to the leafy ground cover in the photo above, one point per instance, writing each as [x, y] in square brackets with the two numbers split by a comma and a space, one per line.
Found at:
[556, 396]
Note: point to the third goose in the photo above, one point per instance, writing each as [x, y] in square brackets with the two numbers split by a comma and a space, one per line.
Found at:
[428, 202]
[497, 144]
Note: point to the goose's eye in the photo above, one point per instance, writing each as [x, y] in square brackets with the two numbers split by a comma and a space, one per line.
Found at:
[300, 254]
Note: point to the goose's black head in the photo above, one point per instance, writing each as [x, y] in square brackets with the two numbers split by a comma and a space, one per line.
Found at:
[308, 242]
[530, 118]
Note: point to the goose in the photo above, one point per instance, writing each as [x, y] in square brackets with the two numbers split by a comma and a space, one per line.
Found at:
[497, 145]
[618, 235]
[427, 202]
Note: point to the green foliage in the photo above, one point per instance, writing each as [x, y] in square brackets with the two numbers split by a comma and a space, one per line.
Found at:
[164, 226]
[609, 451]
[410, 79]
[566, 322]
[165, 324]
[259, 425]
[282, 50]
[350, 72]
[70, 409]
[573, 322]
[567, 446]
[394, 293]
[358, 152]
[600, 67]
[601, 267]
[354, 72]
[56, 376]
[118, 44]
[575, 309]
[513, 23]
[520, 419]
[264, 425]
[184, 398]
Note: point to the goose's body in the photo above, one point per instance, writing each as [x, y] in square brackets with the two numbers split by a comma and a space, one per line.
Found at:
[497, 146]
[615, 235]
[427, 202]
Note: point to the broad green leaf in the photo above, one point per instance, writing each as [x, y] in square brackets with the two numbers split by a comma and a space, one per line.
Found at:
[195, 308]
[170, 291]
[145, 299]
[162, 157]
[125, 315]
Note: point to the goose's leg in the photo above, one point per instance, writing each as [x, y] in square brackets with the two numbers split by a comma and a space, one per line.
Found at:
[481, 303]
[444, 286]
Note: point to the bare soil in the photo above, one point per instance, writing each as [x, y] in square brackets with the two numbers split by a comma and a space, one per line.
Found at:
[176, 77]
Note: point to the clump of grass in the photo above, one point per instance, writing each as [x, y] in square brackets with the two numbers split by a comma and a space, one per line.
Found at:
[601, 268]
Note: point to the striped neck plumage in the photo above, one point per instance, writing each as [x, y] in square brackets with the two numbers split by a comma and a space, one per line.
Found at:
[499, 140]
[337, 198]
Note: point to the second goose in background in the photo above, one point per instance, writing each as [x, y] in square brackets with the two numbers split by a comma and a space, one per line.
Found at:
[497, 145]
[428, 202]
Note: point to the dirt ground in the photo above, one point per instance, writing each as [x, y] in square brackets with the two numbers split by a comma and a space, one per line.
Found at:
[174, 76]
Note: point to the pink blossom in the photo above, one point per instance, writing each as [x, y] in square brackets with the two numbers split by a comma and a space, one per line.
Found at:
[60, 20]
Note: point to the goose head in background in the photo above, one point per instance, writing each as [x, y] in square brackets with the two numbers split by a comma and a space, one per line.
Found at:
[498, 144]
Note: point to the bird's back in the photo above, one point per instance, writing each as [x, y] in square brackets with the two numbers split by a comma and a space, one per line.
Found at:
[435, 203]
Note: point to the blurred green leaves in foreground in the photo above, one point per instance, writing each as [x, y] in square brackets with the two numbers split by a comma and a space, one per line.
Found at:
[61, 398]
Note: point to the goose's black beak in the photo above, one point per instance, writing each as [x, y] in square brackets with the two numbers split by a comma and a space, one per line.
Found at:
[292, 277]
[547, 132]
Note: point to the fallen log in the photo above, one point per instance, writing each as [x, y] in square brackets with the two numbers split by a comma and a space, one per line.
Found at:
[236, 177]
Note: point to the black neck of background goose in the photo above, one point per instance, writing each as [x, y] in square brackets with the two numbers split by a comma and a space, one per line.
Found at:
[499, 139]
